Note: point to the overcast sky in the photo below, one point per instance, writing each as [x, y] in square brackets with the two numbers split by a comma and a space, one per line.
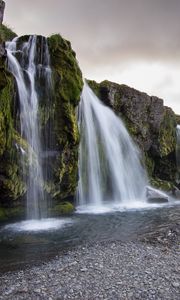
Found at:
[136, 42]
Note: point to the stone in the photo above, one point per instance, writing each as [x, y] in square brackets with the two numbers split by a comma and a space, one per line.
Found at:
[175, 284]
[156, 196]
[2, 7]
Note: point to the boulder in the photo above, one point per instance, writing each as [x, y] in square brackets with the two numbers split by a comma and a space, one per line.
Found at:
[156, 196]
[2, 7]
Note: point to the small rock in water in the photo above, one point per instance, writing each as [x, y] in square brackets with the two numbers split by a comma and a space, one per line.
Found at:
[175, 284]
[84, 269]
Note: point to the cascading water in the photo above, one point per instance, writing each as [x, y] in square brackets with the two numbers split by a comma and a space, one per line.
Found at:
[109, 163]
[29, 65]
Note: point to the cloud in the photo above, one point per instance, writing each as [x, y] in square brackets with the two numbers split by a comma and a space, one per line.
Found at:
[110, 36]
[105, 30]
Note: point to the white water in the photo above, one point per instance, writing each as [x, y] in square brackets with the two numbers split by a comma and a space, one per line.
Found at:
[110, 170]
[39, 225]
[26, 71]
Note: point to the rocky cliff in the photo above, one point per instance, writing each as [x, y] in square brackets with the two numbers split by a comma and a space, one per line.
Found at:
[57, 116]
[2, 7]
[152, 125]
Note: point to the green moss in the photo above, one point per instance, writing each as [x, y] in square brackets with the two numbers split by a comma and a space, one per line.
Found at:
[64, 208]
[6, 120]
[162, 184]
[66, 69]
[11, 183]
[95, 87]
[167, 133]
[150, 164]
[178, 119]
[3, 216]
[11, 213]
[67, 85]
[2, 134]
[6, 33]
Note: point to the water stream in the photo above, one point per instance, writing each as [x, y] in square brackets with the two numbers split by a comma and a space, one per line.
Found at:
[110, 169]
[29, 64]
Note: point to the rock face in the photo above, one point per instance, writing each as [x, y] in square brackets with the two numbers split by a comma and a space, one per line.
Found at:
[2, 7]
[11, 185]
[67, 79]
[59, 116]
[152, 125]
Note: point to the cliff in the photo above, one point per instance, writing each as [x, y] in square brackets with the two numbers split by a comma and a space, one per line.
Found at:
[151, 124]
[58, 117]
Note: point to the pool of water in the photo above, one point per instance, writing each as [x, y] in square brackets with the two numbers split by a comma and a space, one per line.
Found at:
[29, 242]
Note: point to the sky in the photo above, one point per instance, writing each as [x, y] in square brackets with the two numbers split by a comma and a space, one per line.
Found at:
[133, 42]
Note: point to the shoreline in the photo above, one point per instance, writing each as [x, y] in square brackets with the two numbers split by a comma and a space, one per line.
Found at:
[148, 268]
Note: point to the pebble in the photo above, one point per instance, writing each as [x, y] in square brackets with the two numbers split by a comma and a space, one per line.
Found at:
[108, 270]
[175, 284]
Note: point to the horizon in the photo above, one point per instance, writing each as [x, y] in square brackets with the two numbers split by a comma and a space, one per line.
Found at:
[121, 41]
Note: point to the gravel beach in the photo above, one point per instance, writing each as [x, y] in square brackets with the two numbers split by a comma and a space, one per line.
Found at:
[145, 269]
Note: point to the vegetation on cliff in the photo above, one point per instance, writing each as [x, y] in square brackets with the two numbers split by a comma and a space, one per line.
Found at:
[151, 124]
[67, 86]
[6, 33]
[57, 115]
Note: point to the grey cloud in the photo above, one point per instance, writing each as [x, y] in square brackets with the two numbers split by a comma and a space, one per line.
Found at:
[105, 31]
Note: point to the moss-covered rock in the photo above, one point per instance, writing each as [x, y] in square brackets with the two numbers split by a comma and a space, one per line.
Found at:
[162, 184]
[6, 33]
[11, 213]
[151, 124]
[12, 186]
[3, 216]
[67, 86]
[64, 208]
[57, 114]
[178, 119]
[167, 133]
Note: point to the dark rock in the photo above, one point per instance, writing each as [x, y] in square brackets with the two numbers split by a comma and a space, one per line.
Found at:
[156, 196]
[2, 7]
[2, 50]
[157, 200]
[151, 124]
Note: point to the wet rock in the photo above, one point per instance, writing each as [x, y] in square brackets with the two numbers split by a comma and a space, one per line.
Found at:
[156, 196]
[151, 124]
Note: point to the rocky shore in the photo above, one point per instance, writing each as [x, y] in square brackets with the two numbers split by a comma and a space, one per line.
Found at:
[148, 268]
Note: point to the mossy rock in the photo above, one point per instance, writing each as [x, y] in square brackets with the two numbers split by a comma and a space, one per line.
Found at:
[178, 119]
[67, 85]
[11, 213]
[64, 208]
[150, 164]
[6, 118]
[6, 33]
[162, 184]
[3, 216]
[167, 133]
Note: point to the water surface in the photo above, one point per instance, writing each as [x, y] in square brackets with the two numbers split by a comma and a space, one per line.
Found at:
[28, 243]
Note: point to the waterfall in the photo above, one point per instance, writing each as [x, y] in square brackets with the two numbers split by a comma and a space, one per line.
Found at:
[29, 62]
[109, 162]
